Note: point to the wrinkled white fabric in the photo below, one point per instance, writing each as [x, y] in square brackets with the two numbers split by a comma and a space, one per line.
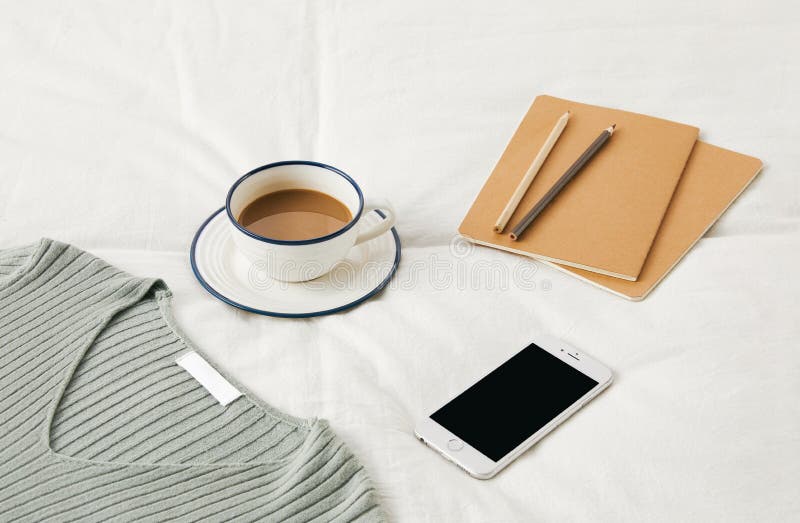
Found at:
[124, 124]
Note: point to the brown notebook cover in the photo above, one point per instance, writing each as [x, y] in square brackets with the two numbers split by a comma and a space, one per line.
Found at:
[713, 179]
[605, 220]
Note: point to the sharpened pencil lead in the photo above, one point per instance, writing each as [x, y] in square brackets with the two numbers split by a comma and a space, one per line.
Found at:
[530, 174]
[565, 178]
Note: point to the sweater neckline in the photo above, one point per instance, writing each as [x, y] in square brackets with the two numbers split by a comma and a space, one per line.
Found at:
[38, 251]
[314, 427]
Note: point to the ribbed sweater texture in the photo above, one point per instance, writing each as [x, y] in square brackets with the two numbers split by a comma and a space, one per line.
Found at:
[98, 422]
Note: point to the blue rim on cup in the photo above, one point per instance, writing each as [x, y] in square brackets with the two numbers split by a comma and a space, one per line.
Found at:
[302, 259]
[344, 229]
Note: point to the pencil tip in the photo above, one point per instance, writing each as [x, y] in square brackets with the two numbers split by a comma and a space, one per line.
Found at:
[613, 126]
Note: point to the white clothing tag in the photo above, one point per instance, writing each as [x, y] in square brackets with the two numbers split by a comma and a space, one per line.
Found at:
[208, 377]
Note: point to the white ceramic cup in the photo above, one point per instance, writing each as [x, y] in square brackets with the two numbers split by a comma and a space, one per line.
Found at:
[302, 260]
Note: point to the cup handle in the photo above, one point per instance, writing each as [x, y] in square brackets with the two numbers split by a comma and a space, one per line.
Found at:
[379, 228]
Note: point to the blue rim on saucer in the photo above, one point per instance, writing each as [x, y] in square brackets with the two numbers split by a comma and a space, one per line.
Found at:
[340, 308]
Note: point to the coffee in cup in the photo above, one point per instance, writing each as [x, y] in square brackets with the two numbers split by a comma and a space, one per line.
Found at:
[294, 214]
[298, 219]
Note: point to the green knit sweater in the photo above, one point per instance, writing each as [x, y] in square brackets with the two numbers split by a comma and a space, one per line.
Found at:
[98, 422]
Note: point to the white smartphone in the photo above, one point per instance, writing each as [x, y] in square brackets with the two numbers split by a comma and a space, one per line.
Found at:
[503, 414]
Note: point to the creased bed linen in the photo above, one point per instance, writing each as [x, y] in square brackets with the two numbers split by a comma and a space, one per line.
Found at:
[125, 123]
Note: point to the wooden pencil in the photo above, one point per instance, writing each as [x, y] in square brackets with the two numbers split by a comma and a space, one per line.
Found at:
[533, 170]
[562, 182]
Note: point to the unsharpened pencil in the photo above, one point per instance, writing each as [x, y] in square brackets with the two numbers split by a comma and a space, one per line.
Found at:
[562, 182]
[533, 170]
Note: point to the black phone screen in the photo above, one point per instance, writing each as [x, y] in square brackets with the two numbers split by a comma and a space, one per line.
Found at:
[514, 401]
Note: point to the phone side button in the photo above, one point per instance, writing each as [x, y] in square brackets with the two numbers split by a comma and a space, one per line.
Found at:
[455, 444]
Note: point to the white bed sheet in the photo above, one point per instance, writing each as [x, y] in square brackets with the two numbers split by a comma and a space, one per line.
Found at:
[123, 125]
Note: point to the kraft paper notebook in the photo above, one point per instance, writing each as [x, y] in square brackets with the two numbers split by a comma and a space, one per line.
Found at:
[606, 219]
[713, 179]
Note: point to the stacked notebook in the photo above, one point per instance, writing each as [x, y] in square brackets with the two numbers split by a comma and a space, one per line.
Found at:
[631, 214]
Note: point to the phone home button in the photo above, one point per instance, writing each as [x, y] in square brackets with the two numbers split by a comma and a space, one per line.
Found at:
[455, 444]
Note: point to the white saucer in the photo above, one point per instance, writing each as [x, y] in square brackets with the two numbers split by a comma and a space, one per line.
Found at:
[230, 277]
